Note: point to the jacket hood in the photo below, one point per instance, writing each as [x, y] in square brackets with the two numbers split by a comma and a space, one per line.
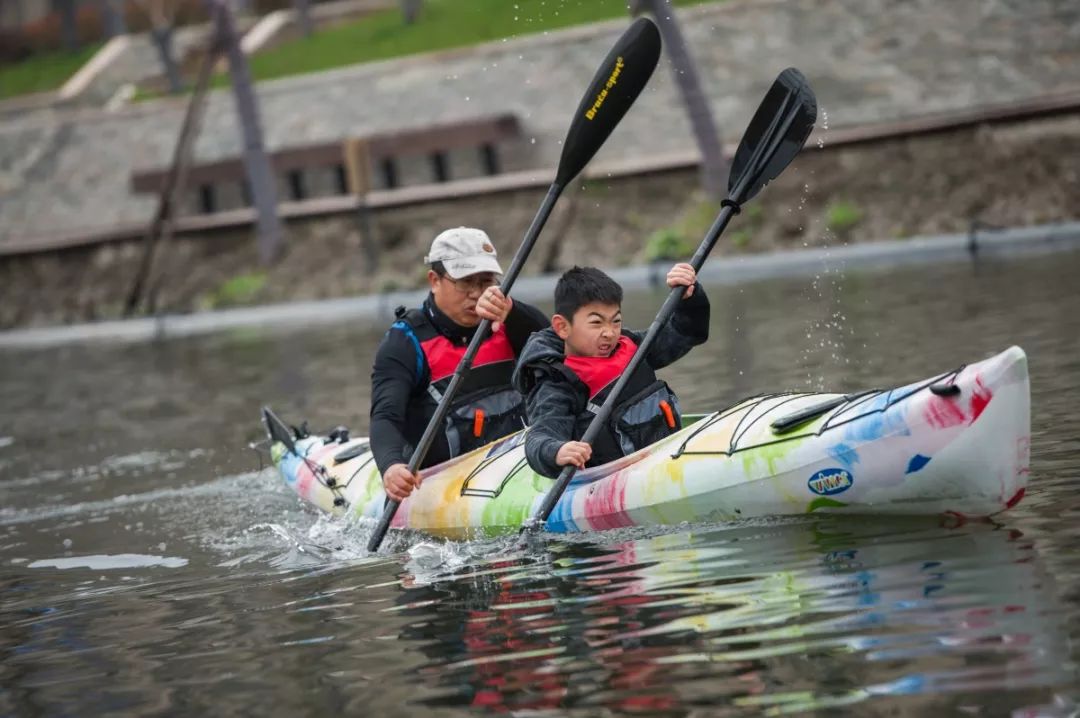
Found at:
[543, 349]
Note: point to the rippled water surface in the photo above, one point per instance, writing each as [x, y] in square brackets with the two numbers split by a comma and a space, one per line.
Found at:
[148, 566]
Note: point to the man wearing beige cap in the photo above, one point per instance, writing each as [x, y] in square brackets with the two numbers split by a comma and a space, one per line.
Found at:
[418, 356]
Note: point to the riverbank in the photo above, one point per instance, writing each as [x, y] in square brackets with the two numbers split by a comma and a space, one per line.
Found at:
[1010, 175]
[980, 245]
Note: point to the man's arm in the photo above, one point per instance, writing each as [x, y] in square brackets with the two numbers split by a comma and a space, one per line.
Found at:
[521, 322]
[394, 378]
[552, 412]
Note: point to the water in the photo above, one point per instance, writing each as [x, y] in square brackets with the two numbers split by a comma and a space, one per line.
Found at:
[147, 566]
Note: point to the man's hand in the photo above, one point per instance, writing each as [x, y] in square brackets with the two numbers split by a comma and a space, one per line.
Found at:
[577, 453]
[682, 275]
[399, 483]
[494, 306]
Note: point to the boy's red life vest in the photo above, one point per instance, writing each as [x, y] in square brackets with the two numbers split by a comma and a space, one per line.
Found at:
[646, 411]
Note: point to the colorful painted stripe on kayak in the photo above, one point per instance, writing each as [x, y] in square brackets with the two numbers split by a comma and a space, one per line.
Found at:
[956, 442]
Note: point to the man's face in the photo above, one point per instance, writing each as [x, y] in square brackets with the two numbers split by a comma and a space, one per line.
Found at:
[593, 331]
[456, 298]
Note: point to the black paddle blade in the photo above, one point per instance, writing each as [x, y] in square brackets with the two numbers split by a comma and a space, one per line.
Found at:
[617, 83]
[276, 429]
[778, 131]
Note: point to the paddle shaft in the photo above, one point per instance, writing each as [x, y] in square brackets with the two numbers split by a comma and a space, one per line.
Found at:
[435, 425]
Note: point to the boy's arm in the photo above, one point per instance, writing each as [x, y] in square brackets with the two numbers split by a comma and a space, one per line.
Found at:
[552, 412]
[689, 326]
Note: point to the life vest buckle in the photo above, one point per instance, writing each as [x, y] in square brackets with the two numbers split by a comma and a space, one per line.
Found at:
[669, 415]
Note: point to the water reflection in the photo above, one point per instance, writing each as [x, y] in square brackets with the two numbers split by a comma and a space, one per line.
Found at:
[147, 566]
[790, 617]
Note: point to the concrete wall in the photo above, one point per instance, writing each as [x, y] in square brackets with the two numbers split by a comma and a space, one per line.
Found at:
[867, 59]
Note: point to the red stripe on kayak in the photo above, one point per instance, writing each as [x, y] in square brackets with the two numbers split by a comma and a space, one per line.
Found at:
[1017, 498]
[943, 413]
[980, 397]
[604, 506]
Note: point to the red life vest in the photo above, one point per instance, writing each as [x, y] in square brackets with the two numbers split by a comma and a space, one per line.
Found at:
[598, 372]
[443, 355]
[486, 407]
[645, 412]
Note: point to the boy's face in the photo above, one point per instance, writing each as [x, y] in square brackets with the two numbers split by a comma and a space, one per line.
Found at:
[593, 331]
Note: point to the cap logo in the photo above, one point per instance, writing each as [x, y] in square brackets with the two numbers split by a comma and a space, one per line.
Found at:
[488, 248]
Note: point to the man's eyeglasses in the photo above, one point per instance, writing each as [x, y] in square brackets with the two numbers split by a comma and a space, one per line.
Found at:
[475, 283]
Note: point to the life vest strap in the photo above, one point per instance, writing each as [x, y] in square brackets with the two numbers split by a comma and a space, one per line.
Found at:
[435, 393]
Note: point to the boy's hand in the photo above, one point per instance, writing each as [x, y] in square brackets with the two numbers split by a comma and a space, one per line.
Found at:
[574, 452]
[682, 275]
[399, 483]
[494, 306]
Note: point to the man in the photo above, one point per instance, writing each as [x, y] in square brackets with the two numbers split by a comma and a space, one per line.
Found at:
[417, 358]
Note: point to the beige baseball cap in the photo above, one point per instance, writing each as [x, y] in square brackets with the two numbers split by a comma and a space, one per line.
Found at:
[464, 251]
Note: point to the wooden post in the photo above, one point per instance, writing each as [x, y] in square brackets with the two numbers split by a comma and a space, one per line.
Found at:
[260, 175]
[357, 166]
[714, 168]
[357, 157]
[146, 284]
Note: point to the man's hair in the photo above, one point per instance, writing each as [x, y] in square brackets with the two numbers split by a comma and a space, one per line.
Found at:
[583, 285]
[438, 268]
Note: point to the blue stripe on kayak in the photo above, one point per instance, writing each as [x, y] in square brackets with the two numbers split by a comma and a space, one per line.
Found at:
[844, 454]
[917, 462]
[561, 520]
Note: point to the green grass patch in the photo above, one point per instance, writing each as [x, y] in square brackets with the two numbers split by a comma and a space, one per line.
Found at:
[667, 244]
[41, 73]
[443, 24]
[241, 289]
[740, 238]
[843, 216]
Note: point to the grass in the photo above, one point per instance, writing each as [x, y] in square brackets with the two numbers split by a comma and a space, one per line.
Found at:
[843, 216]
[241, 289]
[40, 73]
[678, 241]
[667, 244]
[442, 24]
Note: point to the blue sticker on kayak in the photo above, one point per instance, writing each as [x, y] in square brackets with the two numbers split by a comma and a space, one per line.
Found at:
[830, 481]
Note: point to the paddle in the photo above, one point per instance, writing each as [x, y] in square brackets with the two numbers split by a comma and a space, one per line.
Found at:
[789, 421]
[777, 132]
[617, 83]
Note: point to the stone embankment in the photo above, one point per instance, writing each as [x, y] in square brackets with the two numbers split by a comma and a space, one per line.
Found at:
[1005, 175]
[869, 61]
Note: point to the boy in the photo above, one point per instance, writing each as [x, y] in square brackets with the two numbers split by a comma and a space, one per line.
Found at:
[566, 371]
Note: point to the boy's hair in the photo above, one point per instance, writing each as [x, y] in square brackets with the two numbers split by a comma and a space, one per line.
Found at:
[583, 285]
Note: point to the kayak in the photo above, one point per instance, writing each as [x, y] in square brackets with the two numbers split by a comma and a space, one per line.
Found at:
[955, 443]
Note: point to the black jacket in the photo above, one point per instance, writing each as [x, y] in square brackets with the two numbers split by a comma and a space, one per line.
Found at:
[554, 403]
[400, 406]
